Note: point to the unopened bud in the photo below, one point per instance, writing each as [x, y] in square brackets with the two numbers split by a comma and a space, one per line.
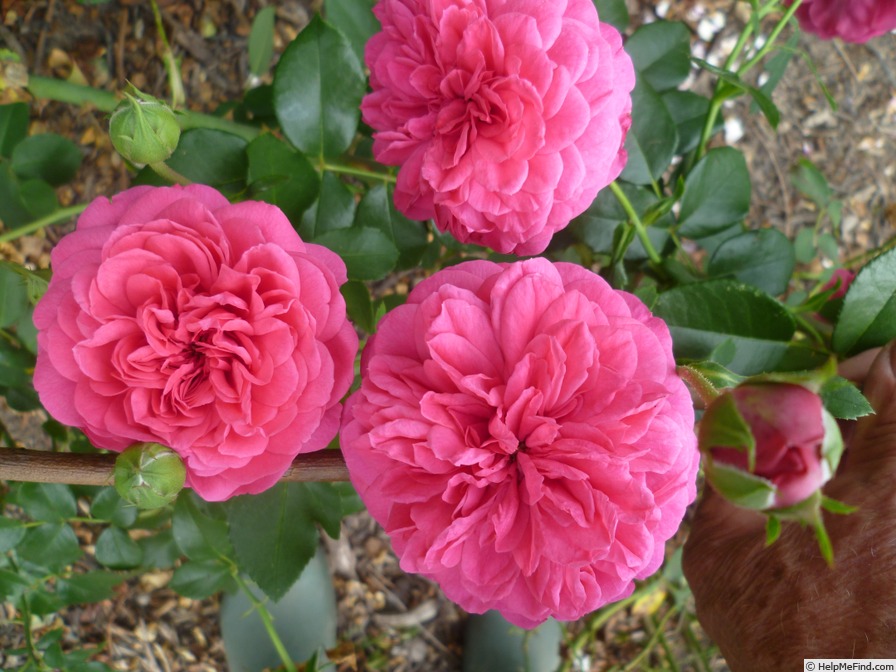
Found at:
[149, 475]
[769, 445]
[144, 129]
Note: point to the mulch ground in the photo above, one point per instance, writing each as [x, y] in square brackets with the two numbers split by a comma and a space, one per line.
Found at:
[390, 620]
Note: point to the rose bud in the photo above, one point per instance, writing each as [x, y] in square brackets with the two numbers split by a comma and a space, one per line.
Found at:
[144, 129]
[149, 475]
[853, 21]
[769, 446]
[838, 285]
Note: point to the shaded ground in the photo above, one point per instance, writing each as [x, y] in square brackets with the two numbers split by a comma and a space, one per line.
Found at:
[395, 621]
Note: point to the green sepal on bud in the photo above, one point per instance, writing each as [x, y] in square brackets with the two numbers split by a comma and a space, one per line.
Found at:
[808, 512]
[144, 130]
[149, 475]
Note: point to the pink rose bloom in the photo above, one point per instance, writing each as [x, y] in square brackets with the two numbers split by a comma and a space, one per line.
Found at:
[788, 427]
[506, 116]
[176, 317]
[850, 20]
[521, 434]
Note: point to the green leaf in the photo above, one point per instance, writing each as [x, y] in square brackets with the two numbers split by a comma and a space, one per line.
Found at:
[843, 399]
[36, 282]
[48, 157]
[811, 183]
[261, 41]
[613, 12]
[716, 193]
[367, 252]
[661, 53]
[274, 536]
[763, 258]
[355, 20]
[689, 110]
[777, 65]
[11, 533]
[13, 296]
[93, 586]
[13, 126]
[108, 505]
[703, 316]
[159, 550]
[868, 316]
[51, 502]
[38, 197]
[198, 530]
[652, 139]
[326, 506]
[334, 209]
[43, 602]
[358, 304]
[318, 86]
[293, 184]
[12, 585]
[201, 579]
[16, 364]
[52, 545]
[829, 246]
[212, 157]
[13, 211]
[377, 210]
[116, 549]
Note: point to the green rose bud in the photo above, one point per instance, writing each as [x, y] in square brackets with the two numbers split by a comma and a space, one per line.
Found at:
[149, 475]
[144, 129]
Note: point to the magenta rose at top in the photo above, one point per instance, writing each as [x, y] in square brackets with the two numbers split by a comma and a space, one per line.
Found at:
[176, 317]
[769, 445]
[850, 20]
[506, 116]
[521, 434]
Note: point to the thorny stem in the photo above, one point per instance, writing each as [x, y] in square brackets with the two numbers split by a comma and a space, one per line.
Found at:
[699, 383]
[60, 215]
[268, 622]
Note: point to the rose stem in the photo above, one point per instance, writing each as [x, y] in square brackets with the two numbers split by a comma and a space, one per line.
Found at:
[635, 221]
[60, 215]
[715, 105]
[166, 172]
[39, 466]
[48, 88]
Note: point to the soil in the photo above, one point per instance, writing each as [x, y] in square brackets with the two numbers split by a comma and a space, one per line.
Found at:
[390, 620]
